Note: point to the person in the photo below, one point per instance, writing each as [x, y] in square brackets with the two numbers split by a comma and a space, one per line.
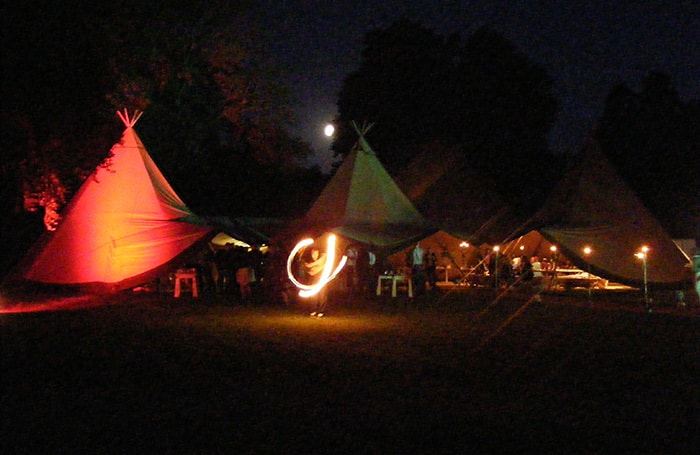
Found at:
[506, 271]
[536, 267]
[537, 276]
[417, 258]
[696, 270]
[244, 277]
[431, 267]
[225, 268]
[366, 264]
[372, 263]
[313, 267]
[351, 269]
[526, 273]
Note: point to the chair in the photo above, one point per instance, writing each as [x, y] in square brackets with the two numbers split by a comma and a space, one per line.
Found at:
[188, 275]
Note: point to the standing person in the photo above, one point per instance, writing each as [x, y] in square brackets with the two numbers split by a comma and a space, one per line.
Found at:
[417, 258]
[431, 268]
[244, 277]
[371, 262]
[371, 271]
[537, 276]
[366, 262]
[351, 268]
[506, 271]
[526, 273]
[313, 267]
[696, 270]
[536, 267]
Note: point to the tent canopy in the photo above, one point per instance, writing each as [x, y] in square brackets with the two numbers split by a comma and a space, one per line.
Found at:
[234, 231]
[124, 224]
[362, 203]
[593, 207]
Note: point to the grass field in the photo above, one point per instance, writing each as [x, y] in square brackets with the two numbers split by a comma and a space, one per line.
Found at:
[454, 372]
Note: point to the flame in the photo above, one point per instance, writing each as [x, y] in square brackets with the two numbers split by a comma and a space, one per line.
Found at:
[328, 273]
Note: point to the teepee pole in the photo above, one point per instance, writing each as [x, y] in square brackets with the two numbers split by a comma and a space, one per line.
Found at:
[129, 122]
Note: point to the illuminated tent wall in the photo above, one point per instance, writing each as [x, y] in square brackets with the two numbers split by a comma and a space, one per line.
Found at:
[362, 202]
[465, 206]
[234, 231]
[121, 227]
[532, 244]
[451, 252]
[592, 206]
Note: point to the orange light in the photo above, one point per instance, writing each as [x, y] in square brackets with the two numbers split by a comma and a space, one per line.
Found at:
[642, 253]
[328, 273]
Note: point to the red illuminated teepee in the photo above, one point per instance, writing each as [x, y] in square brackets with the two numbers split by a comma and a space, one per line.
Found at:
[124, 224]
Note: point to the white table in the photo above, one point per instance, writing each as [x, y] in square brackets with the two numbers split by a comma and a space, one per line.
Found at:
[395, 279]
[447, 271]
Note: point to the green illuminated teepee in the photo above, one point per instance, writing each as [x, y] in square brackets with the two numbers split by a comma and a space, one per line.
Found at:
[362, 202]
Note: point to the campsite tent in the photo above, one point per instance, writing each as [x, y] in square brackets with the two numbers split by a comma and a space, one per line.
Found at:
[592, 206]
[123, 225]
[467, 208]
[461, 202]
[362, 203]
[234, 231]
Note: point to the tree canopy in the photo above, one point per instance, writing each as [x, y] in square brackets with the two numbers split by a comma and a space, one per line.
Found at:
[480, 95]
[653, 138]
[215, 113]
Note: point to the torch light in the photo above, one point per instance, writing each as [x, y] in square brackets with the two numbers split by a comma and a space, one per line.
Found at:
[464, 245]
[642, 254]
[587, 252]
[495, 250]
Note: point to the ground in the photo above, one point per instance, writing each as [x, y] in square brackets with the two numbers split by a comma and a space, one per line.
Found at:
[449, 372]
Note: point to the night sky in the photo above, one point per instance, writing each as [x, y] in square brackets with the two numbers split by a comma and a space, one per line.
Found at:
[586, 47]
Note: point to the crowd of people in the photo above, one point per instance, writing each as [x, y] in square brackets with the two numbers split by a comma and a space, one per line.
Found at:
[505, 271]
[232, 270]
[240, 272]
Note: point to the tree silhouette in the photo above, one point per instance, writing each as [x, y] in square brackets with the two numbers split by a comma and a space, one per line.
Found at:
[207, 89]
[481, 96]
[653, 137]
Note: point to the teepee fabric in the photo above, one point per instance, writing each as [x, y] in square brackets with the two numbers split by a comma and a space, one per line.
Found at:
[124, 223]
[363, 203]
[593, 207]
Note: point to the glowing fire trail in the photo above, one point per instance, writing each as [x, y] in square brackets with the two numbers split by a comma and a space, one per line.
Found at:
[328, 273]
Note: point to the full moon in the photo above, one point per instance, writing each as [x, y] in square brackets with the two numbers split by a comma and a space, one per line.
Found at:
[329, 130]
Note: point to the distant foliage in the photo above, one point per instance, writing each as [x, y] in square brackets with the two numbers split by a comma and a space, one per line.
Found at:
[480, 95]
[211, 99]
[653, 139]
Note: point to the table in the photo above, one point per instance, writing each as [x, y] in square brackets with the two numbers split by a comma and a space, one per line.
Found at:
[580, 280]
[395, 279]
[447, 271]
[186, 275]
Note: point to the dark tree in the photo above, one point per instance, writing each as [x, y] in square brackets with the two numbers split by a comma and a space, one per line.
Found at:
[215, 121]
[481, 96]
[217, 118]
[653, 139]
[53, 114]
[211, 100]
[400, 87]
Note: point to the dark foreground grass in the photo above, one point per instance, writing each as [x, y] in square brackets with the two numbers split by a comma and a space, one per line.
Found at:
[447, 374]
